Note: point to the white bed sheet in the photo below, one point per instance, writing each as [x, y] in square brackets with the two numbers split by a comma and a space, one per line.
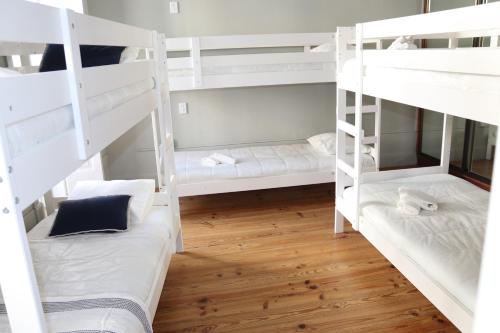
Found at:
[121, 265]
[24, 135]
[258, 161]
[446, 244]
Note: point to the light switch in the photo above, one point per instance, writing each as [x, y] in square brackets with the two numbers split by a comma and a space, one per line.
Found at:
[183, 108]
[174, 7]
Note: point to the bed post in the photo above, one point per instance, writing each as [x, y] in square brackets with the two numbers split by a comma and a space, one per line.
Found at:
[485, 319]
[340, 176]
[378, 123]
[17, 276]
[196, 58]
[166, 147]
[446, 142]
[74, 72]
[341, 111]
[358, 122]
[447, 127]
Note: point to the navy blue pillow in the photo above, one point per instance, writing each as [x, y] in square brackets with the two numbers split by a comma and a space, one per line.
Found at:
[53, 57]
[98, 214]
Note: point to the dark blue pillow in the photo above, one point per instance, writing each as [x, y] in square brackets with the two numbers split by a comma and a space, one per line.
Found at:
[53, 57]
[98, 214]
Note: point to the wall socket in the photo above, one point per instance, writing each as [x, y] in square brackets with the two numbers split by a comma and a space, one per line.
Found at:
[183, 108]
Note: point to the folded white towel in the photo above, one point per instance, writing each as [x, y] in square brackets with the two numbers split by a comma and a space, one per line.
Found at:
[209, 162]
[223, 158]
[409, 207]
[424, 200]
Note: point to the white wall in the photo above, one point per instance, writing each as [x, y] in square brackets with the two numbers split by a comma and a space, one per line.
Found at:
[245, 115]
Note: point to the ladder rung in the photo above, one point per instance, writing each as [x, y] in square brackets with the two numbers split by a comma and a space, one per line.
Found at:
[369, 140]
[366, 109]
[346, 127]
[349, 170]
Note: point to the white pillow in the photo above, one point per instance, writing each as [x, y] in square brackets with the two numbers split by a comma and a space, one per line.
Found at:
[129, 54]
[325, 143]
[325, 47]
[140, 190]
[5, 72]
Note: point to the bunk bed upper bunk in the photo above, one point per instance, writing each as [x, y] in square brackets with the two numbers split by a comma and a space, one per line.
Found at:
[439, 251]
[250, 60]
[50, 124]
[455, 80]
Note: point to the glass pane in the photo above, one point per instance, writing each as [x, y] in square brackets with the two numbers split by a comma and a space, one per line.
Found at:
[432, 132]
[457, 142]
[483, 149]
[432, 137]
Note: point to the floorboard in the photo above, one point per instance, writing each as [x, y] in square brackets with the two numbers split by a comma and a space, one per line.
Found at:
[268, 261]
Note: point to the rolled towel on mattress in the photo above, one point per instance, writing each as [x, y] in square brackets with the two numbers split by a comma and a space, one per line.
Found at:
[209, 162]
[408, 207]
[223, 158]
[424, 200]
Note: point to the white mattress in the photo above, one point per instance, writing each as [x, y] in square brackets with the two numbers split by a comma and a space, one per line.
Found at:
[121, 265]
[487, 84]
[24, 135]
[258, 161]
[446, 244]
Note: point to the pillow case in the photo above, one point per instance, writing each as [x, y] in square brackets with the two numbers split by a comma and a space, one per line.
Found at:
[93, 215]
[325, 143]
[53, 58]
[130, 54]
[140, 190]
[325, 47]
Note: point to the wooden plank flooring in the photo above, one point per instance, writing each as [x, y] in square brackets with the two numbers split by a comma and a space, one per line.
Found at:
[268, 261]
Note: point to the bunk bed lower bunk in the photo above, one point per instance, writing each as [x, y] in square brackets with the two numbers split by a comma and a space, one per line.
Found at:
[106, 282]
[439, 252]
[102, 282]
[257, 167]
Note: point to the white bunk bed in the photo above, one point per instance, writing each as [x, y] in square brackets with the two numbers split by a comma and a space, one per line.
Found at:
[250, 60]
[253, 60]
[439, 253]
[50, 124]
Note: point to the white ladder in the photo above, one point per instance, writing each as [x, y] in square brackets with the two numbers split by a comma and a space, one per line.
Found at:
[164, 142]
[347, 174]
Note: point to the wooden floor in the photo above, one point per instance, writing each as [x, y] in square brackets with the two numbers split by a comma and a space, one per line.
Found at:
[268, 261]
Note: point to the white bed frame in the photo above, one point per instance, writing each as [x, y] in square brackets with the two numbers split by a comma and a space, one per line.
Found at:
[26, 177]
[476, 104]
[259, 60]
[250, 60]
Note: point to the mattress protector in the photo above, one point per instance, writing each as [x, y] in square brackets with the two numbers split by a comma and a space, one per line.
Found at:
[96, 282]
[258, 161]
[446, 244]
